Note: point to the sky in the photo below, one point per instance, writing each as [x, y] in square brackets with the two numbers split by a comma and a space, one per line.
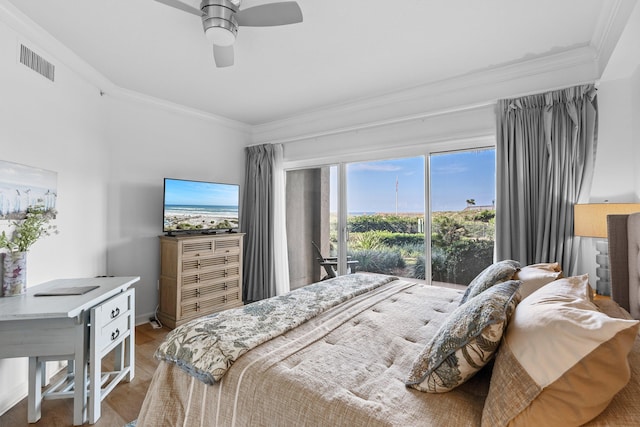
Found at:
[181, 192]
[455, 178]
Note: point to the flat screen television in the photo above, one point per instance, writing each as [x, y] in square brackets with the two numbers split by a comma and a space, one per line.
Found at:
[200, 207]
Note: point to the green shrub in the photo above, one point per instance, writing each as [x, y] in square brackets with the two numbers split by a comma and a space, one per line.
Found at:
[380, 222]
[419, 268]
[366, 240]
[378, 261]
[462, 261]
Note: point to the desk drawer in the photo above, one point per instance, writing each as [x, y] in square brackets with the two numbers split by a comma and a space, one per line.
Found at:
[112, 320]
[114, 308]
[114, 332]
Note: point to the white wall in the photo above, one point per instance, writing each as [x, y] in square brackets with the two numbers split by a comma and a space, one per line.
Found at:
[615, 175]
[56, 126]
[635, 135]
[111, 153]
[146, 144]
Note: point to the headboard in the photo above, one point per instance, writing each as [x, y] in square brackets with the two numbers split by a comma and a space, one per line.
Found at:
[624, 260]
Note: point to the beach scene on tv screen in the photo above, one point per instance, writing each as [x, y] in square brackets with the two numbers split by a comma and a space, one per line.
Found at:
[200, 206]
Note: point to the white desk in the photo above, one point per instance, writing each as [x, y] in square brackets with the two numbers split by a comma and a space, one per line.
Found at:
[55, 326]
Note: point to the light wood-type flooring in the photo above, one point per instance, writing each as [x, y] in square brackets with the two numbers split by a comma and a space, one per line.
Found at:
[118, 408]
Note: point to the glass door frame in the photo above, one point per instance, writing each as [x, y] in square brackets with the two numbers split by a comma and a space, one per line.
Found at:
[428, 223]
[343, 233]
[474, 143]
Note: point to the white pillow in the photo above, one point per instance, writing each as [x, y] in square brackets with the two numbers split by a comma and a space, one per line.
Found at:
[535, 276]
[561, 361]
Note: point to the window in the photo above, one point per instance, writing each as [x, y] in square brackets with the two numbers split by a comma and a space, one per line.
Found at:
[370, 216]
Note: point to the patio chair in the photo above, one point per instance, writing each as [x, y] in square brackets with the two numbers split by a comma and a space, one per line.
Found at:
[330, 264]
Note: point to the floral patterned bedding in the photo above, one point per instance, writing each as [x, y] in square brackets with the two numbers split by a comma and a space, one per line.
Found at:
[207, 347]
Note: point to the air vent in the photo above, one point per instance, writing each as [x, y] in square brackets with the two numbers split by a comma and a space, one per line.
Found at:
[37, 63]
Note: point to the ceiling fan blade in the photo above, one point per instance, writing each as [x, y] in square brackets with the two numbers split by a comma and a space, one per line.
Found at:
[223, 56]
[269, 15]
[182, 6]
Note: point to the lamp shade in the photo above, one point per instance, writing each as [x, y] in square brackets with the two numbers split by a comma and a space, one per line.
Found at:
[590, 219]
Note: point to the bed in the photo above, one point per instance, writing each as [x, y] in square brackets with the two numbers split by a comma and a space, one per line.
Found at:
[394, 353]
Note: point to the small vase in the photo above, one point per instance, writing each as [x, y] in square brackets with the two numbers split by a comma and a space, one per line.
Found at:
[14, 278]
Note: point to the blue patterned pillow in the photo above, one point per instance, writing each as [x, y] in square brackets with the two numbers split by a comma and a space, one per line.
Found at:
[466, 341]
[496, 273]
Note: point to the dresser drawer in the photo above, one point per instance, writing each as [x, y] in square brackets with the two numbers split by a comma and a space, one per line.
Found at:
[227, 245]
[190, 265]
[209, 276]
[205, 291]
[206, 306]
[197, 248]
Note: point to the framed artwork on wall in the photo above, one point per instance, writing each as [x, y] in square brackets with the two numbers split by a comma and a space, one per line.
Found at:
[24, 186]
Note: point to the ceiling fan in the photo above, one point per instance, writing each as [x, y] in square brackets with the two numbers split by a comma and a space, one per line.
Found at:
[221, 19]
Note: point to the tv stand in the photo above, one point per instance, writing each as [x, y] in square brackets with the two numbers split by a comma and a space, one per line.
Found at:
[199, 275]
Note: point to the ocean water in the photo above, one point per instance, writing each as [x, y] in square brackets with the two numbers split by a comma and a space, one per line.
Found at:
[228, 211]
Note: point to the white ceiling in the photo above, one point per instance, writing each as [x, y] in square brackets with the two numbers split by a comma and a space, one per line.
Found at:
[344, 50]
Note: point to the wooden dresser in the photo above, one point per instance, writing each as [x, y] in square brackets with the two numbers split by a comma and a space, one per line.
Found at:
[199, 275]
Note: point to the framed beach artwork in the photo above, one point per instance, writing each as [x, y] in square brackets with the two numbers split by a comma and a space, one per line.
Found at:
[24, 186]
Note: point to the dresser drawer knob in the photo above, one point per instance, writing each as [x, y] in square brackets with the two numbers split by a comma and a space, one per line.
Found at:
[115, 312]
[115, 334]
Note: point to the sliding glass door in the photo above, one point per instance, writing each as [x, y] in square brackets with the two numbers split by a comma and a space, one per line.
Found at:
[462, 214]
[370, 217]
[311, 225]
[385, 216]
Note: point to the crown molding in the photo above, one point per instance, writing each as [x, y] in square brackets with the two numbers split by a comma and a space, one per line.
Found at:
[530, 75]
[45, 42]
[554, 70]
[557, 69]
[610, 26]
[133, 96]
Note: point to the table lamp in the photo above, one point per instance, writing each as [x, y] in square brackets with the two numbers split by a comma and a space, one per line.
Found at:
[590, 220]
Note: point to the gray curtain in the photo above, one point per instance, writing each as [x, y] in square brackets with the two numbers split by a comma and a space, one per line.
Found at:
[258, 224]
[545, 154]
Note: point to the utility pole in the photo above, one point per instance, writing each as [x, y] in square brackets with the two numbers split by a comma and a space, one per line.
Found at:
[396, 195]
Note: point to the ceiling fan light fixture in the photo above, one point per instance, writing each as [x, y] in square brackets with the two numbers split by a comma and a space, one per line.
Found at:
[220, 36]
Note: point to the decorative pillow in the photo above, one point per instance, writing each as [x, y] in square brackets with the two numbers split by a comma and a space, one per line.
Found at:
[496, 273]
[535, 276]
[561, 361]
[466, 341]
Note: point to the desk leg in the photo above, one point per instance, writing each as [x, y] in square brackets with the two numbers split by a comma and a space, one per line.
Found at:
[130, 358]
[34, 400]
[95, 379]
[80, 377]
[131, 341]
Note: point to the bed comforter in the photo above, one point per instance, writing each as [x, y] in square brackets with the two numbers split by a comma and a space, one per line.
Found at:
[345, 367]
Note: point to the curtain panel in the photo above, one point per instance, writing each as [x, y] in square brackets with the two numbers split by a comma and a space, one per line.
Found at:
[266, 269]
[258, 224]
[545, 155]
